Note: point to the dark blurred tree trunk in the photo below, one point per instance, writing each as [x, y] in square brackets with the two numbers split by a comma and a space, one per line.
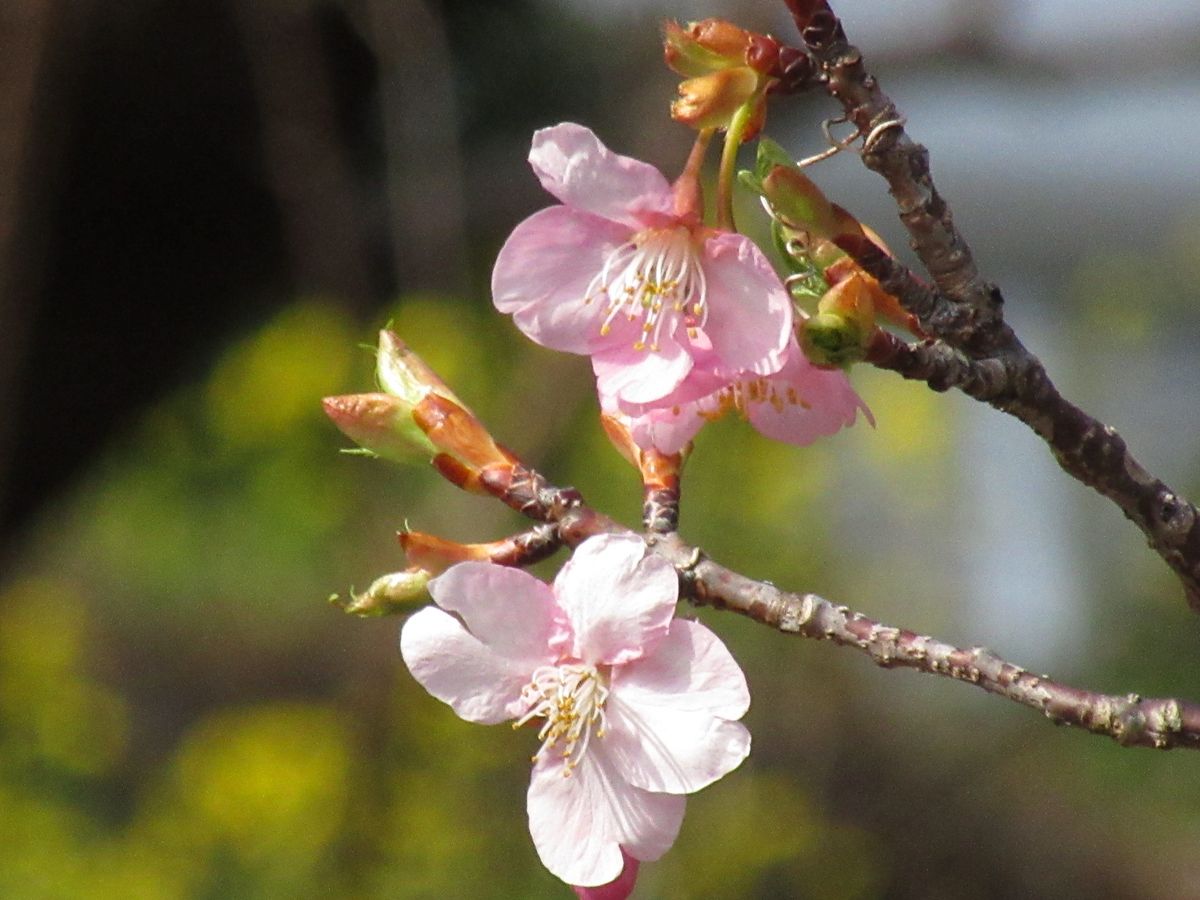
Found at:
[37, 38]
[424, 163]
[321, 207]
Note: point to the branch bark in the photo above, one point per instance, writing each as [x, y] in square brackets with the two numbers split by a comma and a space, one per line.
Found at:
[1130, 720]
[974, 349]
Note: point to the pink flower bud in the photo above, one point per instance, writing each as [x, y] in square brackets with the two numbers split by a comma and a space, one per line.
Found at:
[381, 424]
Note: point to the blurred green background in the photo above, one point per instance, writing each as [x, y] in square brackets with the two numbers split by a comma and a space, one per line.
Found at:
[207, 209]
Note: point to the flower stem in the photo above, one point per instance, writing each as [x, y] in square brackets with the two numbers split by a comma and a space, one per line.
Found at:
[733, 140]
[689, 199]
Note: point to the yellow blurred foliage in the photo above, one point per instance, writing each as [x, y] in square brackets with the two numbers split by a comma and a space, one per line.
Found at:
[268, 782]
[269, 382]
[52, 713]
[448, 334]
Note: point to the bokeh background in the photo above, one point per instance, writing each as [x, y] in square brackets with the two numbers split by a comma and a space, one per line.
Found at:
[207, 209]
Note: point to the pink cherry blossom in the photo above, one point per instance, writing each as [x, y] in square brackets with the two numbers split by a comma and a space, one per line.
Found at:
[635, 708]
[798, 404]
[625, 272]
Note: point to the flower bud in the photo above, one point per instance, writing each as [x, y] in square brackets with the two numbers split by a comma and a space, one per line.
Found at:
[704, 47]
[403, 374]
[798, 203]
[845, 321]
[831, 340]
[418, 414]
[710, 101]
[381, 424]
[853, 298]
[388, 594]
[435, 554]
[466, 447]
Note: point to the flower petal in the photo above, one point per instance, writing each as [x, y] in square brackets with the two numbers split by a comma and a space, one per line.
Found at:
[513, 613]
[543, 273]
[749, 313]
[579, 170]
[580, 823]
[669, 714]
[666, 430]
[618, 597]
[641, 376]
[456, 667]
[803, 402]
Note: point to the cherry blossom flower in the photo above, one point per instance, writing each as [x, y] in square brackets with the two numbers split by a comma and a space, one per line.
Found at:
[635, 708]
[624, 271]
[798, 404]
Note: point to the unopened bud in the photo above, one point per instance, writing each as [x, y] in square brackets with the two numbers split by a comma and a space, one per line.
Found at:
[418, 414]
[435, 554]
[381, 424]
[710, 101]
[703, 47]
[467, 447]
[388, 594]
[403, 374]
[798, 203]
[831, 340]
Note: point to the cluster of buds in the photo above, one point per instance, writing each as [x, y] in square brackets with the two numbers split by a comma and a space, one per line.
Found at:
[811, 231]
[416, 416]
[726, 68]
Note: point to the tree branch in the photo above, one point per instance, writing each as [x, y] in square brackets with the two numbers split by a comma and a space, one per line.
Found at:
[1159, 723]
[975, 349]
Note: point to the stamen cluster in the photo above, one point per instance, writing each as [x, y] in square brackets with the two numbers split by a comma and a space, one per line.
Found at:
[571, 699]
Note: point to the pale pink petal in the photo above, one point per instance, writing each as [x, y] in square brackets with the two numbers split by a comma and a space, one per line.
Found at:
[690, 670]
[804, 402]
[618, 597]
[618, 889]
[456, 667]
[749, 313]
[580, 823]
[543, 273]
[509, 610]
[668, 751]
[666, 430]
[669, 714]
[579, 170]
[704, 378]
[641, 376]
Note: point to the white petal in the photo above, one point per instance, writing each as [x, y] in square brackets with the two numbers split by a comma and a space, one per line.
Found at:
[579, 823]
[690, 670]
[510, 611]
[618, 597]
[456, 667]
[669, 750]
[669, 714]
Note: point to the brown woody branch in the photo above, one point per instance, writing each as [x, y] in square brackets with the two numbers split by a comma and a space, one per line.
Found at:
[974, 349]
[1159, 723]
